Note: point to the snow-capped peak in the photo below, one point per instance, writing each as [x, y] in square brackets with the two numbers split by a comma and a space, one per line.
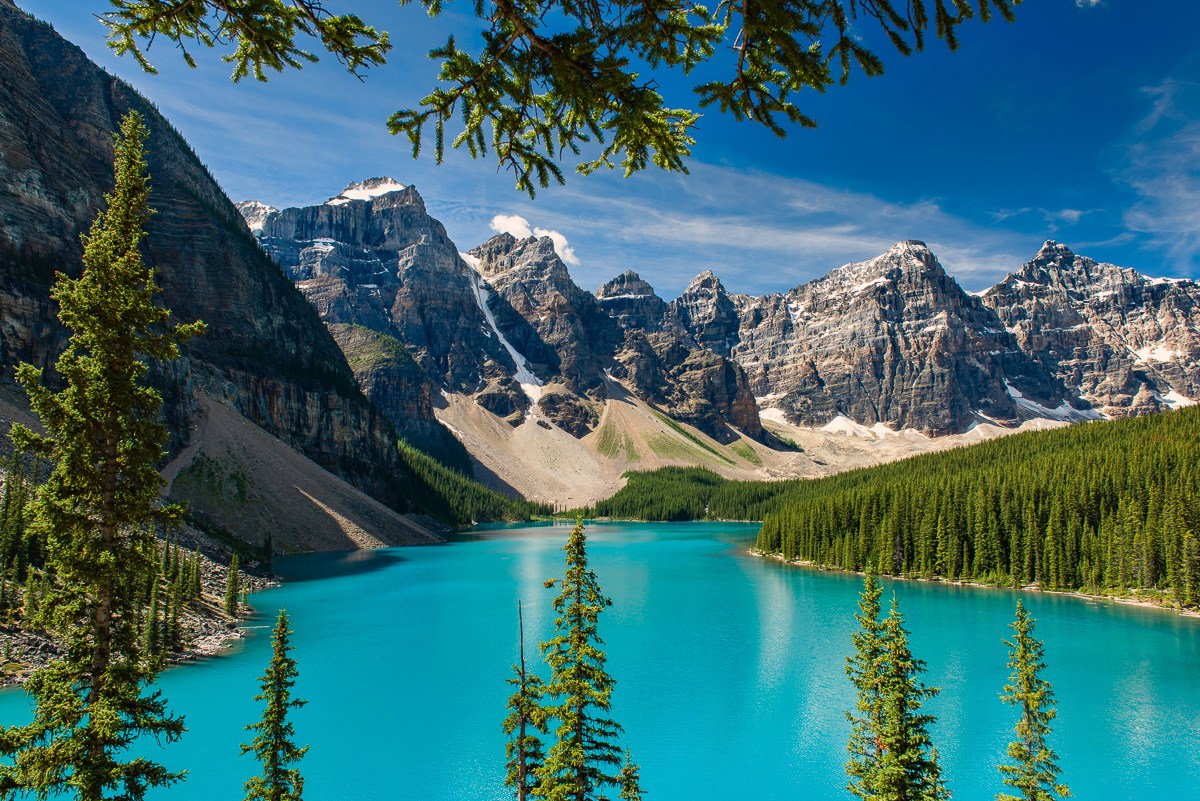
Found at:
[255, 213]
[366, 190]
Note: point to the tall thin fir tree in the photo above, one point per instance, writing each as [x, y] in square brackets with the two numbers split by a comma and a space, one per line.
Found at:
[862, 668]
[1034, 770]
[231, 588]
[631, 780]
[104, 437]
[274, 744]
[585, 757]
[909, 769]
[526, 719]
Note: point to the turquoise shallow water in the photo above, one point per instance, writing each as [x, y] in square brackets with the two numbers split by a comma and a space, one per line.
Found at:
[729, 672]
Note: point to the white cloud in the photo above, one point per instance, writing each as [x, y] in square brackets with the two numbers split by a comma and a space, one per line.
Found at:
[564, 250]
[761, 232]
[1162, 165]
[1069, 216]
[518, 226]
[1088, 3]
[511, 224]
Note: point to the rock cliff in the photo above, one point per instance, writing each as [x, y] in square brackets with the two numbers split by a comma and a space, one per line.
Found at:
[1124, 343]
[893, 340]
[266, 352]
[504, 323]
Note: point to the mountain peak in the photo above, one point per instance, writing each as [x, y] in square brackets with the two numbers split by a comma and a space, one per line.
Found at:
[1052, 250]
[626, 285]
[367, 190]
[899, 259]
[255, 213]
[705, 281]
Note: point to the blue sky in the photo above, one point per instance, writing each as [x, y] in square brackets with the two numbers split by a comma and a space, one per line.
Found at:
[1080, 122]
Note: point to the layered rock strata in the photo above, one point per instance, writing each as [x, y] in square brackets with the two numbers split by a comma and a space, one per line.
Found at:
[1124, 343]
[265, 351]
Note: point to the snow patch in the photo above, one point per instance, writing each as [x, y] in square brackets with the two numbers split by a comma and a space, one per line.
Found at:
[844, 425]
[623, 297]
[366, 190]
[774, 415]
[1064, 413]
[531, 385]
[469, 259]
[1156, 353]
[1176, 401]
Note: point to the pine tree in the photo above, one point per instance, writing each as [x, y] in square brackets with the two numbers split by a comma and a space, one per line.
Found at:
[908, 763]
[104, 438]
[863, 668]
[150, 632]
[274, 745]
[585, 757]
[1035, 769]
[631, 781]
[231, 588]
[526, 716]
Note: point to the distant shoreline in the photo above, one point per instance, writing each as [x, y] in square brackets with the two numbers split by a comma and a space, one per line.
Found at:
[1192, 613]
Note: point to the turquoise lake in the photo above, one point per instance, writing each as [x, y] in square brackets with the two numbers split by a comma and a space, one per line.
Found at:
[729, 669]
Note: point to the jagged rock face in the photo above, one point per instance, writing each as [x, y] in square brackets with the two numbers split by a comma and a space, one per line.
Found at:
[707, 312]
[1121, 341]
[585, 333]
[390, 378]
[892, 340]
[254, 213]
[568, 411]
[633, 303]
[265, 350]
[374, 257]
[560, 328]
[694, 385]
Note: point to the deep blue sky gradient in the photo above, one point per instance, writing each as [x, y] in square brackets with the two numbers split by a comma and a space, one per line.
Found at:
[1079, 122]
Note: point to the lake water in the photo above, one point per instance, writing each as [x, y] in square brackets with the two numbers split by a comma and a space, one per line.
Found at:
[729, 669]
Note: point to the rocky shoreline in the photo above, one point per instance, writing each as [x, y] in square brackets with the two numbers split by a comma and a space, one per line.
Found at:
[207, 629]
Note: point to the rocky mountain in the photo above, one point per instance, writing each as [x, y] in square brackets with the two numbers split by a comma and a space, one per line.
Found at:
[896, 341]
[1124, 343]
[893, 340]
[373, 258]
[266, 353]
[504, 323]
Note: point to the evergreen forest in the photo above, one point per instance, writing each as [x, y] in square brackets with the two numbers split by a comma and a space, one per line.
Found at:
[1107, 507]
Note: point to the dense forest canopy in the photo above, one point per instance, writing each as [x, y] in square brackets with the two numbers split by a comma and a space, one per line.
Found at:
[1111, 506]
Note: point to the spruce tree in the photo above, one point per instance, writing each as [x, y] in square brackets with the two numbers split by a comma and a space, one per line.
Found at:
[526, 716]
[231, 588]
[1034, 772]
[631, 781]
[908, 764]
[862, 667]
[150, 632]
[585, 757]
[104, 438]
[274, 744]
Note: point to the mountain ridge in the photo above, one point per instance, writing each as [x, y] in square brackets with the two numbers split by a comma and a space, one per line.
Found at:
[892, 341]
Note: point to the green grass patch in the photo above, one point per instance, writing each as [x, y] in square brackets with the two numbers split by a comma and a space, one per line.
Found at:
[670, 448]
[691, 437]
[748, 453]
[613, 441]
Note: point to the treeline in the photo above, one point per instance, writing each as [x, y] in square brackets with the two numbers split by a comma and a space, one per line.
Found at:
[453, 498]
[1103, 507]
[688, 493]
[166, 586]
